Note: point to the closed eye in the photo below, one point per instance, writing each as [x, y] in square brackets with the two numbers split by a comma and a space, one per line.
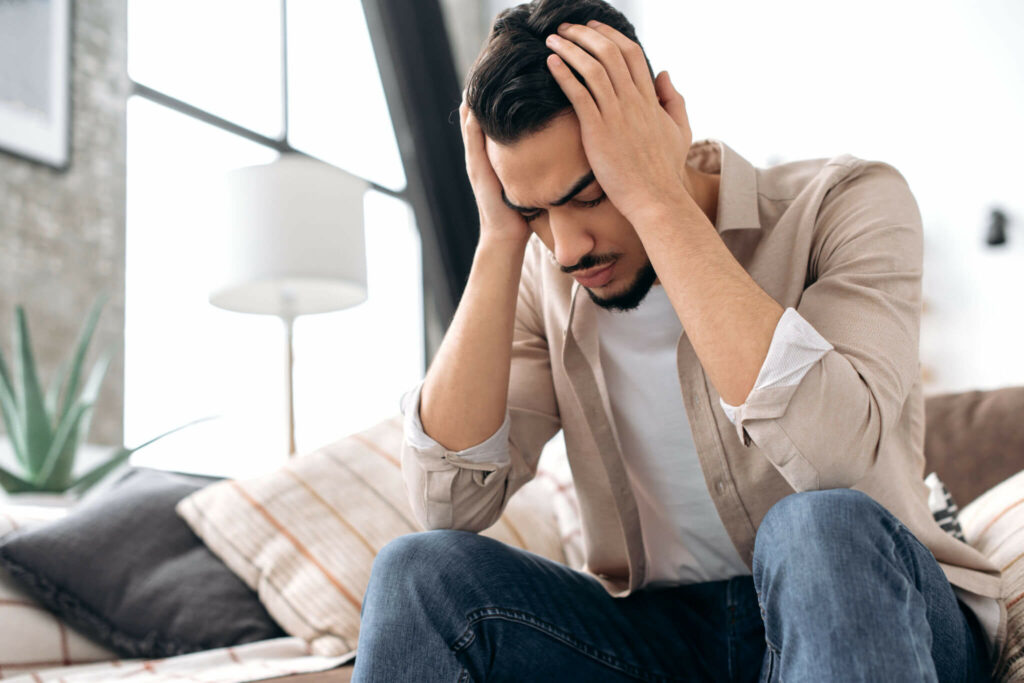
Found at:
[592, 202]
[586, 204]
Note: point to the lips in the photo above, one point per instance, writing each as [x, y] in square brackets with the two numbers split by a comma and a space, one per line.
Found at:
[596, 278]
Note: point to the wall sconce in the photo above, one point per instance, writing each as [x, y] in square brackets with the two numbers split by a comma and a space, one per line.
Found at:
[996, 228]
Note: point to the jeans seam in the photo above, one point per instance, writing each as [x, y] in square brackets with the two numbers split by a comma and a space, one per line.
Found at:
[527, 619]
[764, 615]
[773, 659]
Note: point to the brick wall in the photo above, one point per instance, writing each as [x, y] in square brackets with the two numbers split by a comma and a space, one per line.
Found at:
[62, 233]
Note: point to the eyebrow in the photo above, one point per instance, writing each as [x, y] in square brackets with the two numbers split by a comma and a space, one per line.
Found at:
[577, 187]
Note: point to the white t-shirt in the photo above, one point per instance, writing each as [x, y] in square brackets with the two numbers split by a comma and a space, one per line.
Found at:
[684, 537]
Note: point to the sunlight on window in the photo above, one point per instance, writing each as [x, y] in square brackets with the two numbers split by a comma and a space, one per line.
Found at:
[185, 358]
[337, 111]
[224, 56]
[352, 366]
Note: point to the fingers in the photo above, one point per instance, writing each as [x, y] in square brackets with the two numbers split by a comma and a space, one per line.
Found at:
[580, 98]
[593, 72]
[478, 165]
[600, 48]
[633, 55]
[670, 99]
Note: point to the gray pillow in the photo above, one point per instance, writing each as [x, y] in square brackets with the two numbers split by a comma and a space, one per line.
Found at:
[126, 570]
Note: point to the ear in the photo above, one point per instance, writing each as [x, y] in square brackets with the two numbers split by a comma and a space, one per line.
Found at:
[670, 100]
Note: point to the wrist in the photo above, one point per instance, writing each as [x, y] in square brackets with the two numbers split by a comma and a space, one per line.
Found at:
[661, 211]
[490, 242]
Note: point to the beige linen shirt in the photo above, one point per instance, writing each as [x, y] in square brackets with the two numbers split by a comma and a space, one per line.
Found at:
[841, 241]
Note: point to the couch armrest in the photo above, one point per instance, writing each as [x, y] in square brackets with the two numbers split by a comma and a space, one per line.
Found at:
[974, 439]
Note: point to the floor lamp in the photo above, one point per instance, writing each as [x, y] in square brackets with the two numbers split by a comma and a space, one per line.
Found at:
[294, 244]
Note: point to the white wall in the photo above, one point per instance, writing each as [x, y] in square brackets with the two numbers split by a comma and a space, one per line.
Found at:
[934, 88]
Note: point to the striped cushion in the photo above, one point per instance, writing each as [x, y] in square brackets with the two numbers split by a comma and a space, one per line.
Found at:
[943, 508]
[994, 524]
[304, 536]
[31, 637]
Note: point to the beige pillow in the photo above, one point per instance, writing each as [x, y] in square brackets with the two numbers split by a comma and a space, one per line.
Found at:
[304, 536]
[994, 524]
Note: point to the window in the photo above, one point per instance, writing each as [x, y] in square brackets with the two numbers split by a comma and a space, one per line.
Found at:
[186, 359]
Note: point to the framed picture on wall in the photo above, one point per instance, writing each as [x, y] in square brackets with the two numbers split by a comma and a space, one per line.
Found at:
[35, 80]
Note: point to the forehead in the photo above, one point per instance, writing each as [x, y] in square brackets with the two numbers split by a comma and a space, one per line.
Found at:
[540, 167]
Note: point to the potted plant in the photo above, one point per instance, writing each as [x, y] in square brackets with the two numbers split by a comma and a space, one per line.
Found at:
[46, 431]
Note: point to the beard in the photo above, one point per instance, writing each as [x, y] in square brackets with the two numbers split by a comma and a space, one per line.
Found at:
[633, 295]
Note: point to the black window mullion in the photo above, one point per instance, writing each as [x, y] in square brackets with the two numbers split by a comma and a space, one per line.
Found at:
[417, 71]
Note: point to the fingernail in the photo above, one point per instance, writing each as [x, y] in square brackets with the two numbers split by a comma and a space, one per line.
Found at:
[592, 23]
[563, 26]
[553, 39]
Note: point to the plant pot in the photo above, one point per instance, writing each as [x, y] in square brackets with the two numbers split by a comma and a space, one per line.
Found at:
[49, 504]
[48, 498]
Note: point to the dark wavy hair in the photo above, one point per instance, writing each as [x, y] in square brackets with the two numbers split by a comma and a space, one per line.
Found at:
[509, 87]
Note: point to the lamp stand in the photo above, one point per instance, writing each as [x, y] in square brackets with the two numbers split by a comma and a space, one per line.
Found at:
[289, 321]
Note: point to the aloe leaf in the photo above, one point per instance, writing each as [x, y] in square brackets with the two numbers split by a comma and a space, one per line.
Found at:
[33, 410]
[81, 348]
[58, 476]
[11, 413]
[87, 480]
[91, 389]
[12, 420]
[65, 437]
[12, 483]
[53, 392]
[5, 374]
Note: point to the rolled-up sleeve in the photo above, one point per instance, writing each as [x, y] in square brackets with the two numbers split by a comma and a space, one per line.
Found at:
[492, 453]
[469, 489]
[794, 348]
[825, 428]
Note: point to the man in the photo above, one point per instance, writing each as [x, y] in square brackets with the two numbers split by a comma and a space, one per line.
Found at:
[739, 392]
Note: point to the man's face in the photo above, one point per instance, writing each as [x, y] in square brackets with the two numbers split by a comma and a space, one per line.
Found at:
[547, 178]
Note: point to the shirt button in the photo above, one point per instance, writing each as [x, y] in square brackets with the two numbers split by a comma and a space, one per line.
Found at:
[720, 486]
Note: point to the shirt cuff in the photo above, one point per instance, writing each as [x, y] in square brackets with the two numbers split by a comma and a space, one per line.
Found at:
[494, 450]
[795, 347]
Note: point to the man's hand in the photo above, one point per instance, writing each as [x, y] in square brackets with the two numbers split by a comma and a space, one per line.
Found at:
[496, 219]
[636, 134]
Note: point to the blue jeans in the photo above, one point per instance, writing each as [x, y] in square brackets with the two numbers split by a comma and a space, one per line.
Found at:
[841, 591]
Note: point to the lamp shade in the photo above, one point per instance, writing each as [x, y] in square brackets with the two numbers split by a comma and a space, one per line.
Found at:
[294, 241]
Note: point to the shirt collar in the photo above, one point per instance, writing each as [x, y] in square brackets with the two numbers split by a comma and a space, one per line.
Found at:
[737, 189]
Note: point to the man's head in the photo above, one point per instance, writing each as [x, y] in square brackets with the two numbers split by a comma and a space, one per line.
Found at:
[534, 144]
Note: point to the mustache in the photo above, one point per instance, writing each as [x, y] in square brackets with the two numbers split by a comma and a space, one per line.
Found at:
[587, 262]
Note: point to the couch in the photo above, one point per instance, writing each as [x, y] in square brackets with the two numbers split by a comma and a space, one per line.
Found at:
[974, 442]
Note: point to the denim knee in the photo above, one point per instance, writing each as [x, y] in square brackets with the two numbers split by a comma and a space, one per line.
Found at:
[810, 519]
[421, 552]
[426, 563]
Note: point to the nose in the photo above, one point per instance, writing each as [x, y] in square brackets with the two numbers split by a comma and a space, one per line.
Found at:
[572, 240]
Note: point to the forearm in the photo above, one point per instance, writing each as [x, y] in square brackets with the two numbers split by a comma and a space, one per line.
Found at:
[727, 317]
[465, 391]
